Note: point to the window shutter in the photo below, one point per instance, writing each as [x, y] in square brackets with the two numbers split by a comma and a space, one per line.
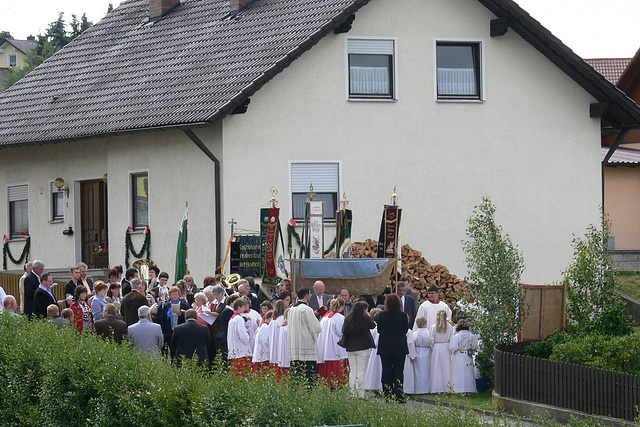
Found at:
[323, 176]
[370, 46]
[18, 192]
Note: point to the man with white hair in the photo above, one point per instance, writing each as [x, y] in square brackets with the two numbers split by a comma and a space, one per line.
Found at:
[319, 299]
[31, 284]
[9, 303]
[86, 281]
[146, 335]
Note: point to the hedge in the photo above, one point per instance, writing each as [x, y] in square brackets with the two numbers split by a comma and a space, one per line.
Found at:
[51, 377]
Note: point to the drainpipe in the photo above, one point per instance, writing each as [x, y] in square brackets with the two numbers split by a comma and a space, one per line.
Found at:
[217, 216]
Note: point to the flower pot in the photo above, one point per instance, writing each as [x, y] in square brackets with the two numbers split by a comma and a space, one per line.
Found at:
[484, 384]
[101, 261]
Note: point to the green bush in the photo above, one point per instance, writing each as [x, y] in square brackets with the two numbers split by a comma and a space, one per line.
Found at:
[620, 354]
[544, 349]
[51, 377]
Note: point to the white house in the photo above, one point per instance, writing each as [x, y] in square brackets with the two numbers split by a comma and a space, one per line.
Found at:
[450, 100]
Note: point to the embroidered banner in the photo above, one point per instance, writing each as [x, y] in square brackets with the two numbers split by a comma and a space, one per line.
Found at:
[389, 232]
[343, 240]
[245, 256]
[268, 235]
[316, 226]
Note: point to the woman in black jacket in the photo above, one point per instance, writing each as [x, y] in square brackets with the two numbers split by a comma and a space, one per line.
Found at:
[357, 339]
[393, 325]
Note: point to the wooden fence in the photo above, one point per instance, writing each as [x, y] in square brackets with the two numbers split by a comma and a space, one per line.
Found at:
[10, 282]
[589, 390]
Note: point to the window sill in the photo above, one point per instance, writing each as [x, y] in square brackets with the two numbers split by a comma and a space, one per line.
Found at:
[16, 239]
[476, 101]
[56, 221]
[140, 231]
[372, 99]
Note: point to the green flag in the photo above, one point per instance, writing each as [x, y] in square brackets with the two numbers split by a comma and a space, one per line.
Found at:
[181, 251]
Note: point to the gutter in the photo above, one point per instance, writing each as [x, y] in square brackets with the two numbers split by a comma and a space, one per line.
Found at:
[217, 213]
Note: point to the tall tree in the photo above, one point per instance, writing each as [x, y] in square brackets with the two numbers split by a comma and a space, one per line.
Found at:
[5, 35]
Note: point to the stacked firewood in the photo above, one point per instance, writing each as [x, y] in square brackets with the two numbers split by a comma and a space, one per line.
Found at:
[420, 272]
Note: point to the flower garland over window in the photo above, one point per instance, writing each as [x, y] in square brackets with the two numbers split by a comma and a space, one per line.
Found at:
[7, 252]
[146, 246]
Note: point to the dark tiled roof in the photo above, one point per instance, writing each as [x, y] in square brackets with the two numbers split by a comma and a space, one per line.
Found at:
[610, 68]
[22, 45]
[193, 66]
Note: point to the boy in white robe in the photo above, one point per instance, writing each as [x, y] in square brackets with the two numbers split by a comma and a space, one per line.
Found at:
[260, 358]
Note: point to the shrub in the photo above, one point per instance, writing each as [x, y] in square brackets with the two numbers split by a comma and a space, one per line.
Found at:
[495, 266]
[60, 378]
[620, 354]
[593, 305]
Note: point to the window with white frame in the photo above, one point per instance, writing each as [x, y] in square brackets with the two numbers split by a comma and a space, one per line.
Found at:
[371, 68]
[57, 203]
[13, 60]
[458, 67]
[139, 200]
[18, 196]
[325, 178]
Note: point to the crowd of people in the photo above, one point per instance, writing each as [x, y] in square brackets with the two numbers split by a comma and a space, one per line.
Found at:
[384, 343]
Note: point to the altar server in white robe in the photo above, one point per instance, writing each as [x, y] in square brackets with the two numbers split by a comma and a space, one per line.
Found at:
[409, 383]
[284, 363]
[441, 333]
[373, 378]
[463, 343]
[274, 334]
[431, 306]
[422, 363]
[261, 357]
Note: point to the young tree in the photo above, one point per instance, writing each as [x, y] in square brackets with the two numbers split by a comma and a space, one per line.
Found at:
[495, 267]
[593, 305]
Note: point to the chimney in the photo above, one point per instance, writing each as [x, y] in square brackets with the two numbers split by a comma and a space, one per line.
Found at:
[236, 5]
[159, 8]
[31, 38]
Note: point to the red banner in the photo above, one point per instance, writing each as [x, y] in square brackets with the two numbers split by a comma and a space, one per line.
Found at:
[271, 242]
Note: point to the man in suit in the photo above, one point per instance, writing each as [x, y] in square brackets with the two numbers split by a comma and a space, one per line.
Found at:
[53, 314]
[191, 338]
[86, 281]
[319, 298]
[129, 275]
[31, 283]
[146, 335]
[110, 326]
[219, 294]
[43, 296]
[132, 302]
[409, 304]
[244, 289]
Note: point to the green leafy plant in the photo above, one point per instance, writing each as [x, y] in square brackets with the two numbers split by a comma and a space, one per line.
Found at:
[495, 266]
[593, 305]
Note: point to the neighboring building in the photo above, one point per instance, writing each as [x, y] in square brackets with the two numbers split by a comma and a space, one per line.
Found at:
[13, 53]
[622, 167]
[450, 100]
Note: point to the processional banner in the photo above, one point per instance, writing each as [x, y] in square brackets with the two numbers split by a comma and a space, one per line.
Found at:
[387, 244]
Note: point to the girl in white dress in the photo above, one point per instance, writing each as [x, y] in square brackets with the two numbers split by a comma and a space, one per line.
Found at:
[373, 378]
[408, 383]
[422, 363]
[463, 343]
[441, 333]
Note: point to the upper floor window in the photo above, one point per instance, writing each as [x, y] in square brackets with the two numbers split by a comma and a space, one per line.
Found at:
[57, 203]
[18, 210]
[13, 60]
[371, 68]
[325, 178]
[458, 67]
[139, 200]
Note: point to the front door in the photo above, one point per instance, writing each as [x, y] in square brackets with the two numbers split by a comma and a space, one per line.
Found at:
[93, 206]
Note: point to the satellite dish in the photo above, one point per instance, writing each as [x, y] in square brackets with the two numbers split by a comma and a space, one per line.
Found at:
[59, 182]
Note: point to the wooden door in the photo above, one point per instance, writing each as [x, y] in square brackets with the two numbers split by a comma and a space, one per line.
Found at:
[93, 206]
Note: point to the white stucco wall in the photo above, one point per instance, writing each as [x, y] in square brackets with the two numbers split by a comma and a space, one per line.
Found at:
[530, 146]
[178, 171]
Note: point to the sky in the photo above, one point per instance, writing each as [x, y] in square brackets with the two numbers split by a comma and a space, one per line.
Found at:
[592, 28]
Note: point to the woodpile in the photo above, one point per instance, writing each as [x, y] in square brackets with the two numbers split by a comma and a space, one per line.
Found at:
[420, 272]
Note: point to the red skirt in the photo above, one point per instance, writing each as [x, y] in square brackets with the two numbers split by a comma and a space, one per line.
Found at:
[261, 367]
[336, 372]
[240, 367]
